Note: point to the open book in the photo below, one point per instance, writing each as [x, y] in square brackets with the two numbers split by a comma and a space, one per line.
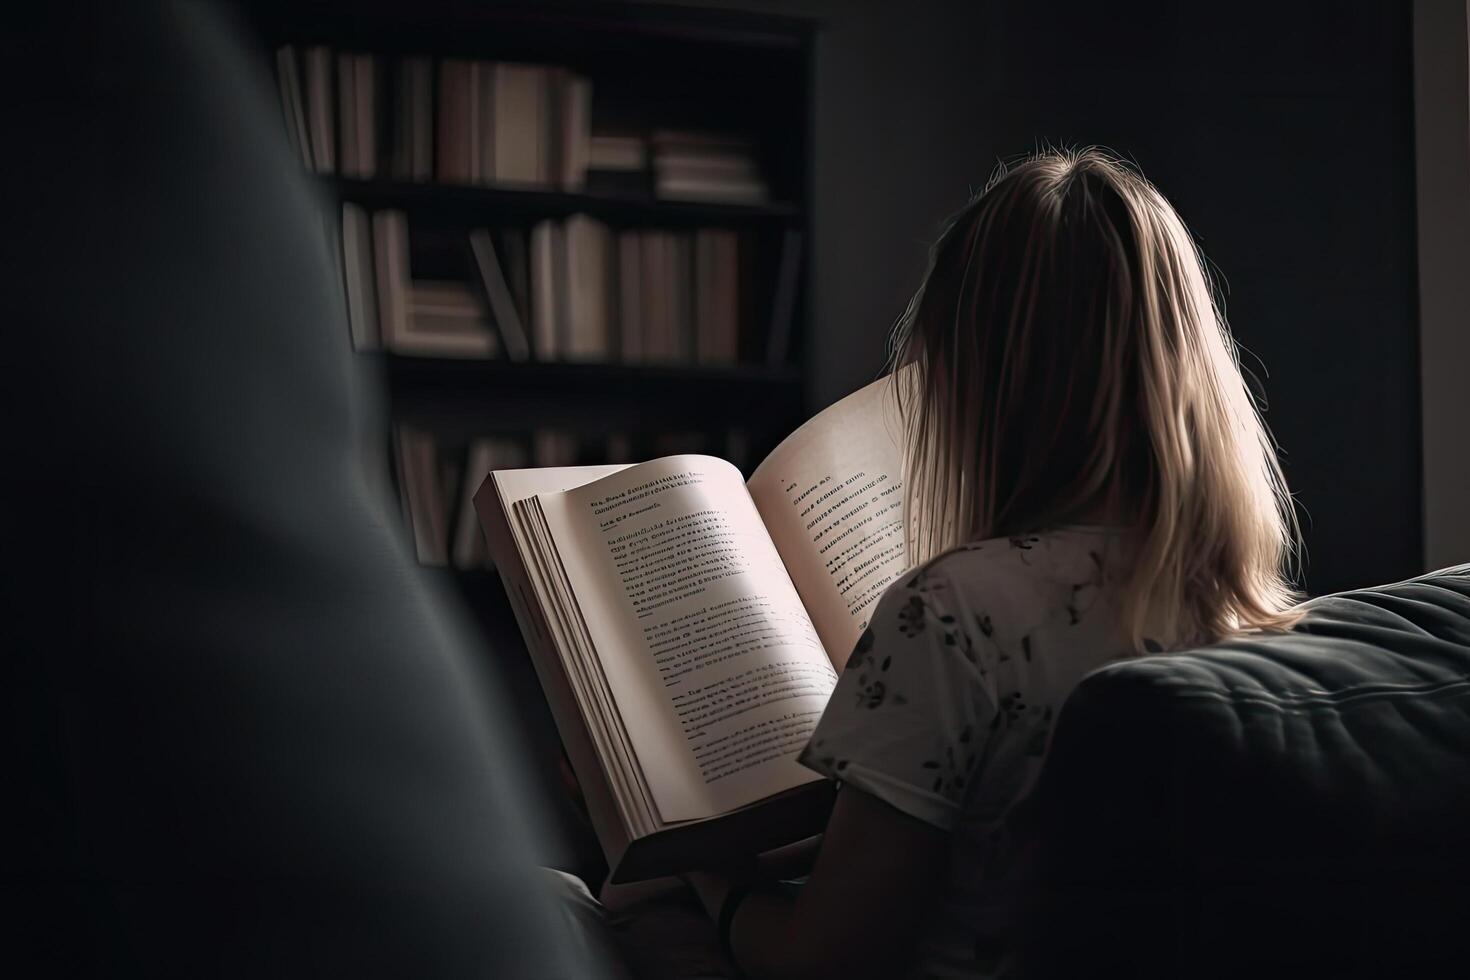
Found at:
[688, 627]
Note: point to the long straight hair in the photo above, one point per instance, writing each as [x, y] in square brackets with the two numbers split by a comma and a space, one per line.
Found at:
[1065, 356]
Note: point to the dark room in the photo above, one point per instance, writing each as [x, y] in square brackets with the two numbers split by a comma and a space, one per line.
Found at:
[711, 489]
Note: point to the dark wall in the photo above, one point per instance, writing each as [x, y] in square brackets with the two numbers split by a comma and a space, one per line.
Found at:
[1281, 131]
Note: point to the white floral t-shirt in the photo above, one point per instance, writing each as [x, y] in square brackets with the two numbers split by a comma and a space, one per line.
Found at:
[945, 709]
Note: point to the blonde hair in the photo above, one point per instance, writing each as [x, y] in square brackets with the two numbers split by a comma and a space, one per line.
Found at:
[1068, 355]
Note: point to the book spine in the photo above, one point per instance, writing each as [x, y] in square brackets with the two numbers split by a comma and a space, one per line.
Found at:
[421, 104]
[400, 121]
[705, 310]
[589, 295]
[630, 298]
[367, 71]
[485, 122]
[562, 288]
[347, 114]
[497, 293]
[518, 116]
[576, 131]
[544, 294]
[654, 325]
[357, 260]
[681, 302]
[390, 246]
[319, 109]
[454, 136]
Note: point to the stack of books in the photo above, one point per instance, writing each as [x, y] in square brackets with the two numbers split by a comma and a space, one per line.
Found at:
[430, 318]
[617, 165]
[489, 123]
[695, 166]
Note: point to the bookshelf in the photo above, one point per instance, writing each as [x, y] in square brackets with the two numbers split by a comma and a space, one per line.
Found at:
[718, 104]
[647, 71]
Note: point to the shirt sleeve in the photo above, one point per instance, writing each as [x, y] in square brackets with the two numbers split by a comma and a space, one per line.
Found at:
[911, 710]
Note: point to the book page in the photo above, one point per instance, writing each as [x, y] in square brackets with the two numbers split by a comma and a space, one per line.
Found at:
[715, 666]
[831, 496]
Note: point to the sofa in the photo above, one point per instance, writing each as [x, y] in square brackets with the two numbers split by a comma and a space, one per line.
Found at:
[1285, 805]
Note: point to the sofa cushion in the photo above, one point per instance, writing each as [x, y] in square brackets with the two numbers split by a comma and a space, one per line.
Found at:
[1294, 802]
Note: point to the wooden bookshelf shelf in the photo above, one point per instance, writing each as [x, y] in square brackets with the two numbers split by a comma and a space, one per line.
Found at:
[507, 396]
[471, 204]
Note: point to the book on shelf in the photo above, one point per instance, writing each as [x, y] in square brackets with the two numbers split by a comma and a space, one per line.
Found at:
[390, 263]
[458, 123]
[412, 121]
[512, 329]
[589, 294]
[347, 114]
[571, 147]
[717, 296]
[446, 319]
[365, 98]
[357, 115]
[515, 261]
[653, 289]
[617, 166]
[688, 626]
[319, 115]
[424, 317]
[677, 276]
[358, 278]
[714, 167]
[631, 312]
[547, 251]
[520, 115]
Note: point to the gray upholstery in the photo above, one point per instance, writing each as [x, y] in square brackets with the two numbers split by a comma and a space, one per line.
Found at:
[243, 735]
[1293, 804]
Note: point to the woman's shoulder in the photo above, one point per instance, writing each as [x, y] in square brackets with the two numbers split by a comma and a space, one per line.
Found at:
[1001, 590]
[1023, 562]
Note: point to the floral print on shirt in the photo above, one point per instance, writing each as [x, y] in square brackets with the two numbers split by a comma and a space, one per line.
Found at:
[945, 709]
